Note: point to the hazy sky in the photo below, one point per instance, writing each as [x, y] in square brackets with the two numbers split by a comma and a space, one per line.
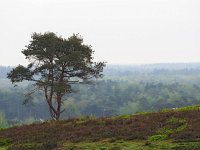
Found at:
[120, 31]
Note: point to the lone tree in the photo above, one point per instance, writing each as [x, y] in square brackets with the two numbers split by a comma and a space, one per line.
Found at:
[55, 63]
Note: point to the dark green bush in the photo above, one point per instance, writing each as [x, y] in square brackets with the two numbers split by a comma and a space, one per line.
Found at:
[49, 145]
[5, 142]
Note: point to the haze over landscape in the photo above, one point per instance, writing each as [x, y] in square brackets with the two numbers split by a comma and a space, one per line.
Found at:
[137, 88]
[121, 32]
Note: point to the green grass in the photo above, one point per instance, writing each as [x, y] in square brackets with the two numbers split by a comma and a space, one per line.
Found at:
[157, 137]
[31, 146]
[125, 116]
[117, 145]
[108, 144]
[164, 132]
[131, 145]
[186, 108]
[187, 146]
[180, 125]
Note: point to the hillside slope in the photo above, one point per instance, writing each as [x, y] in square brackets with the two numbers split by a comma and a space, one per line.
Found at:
[170, 129]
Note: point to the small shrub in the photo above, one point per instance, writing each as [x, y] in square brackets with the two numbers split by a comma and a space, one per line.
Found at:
[115, 148]
[101, 123]
[159, 137]
[182, 124]
[102, 148]
[147, 143]
[165, 130]
[112, 140]
[2, 129]
[181, 128]
[5, 142]
[173, 120]
[49, 145]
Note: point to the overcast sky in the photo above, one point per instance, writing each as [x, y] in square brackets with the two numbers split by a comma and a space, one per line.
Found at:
[120, 31]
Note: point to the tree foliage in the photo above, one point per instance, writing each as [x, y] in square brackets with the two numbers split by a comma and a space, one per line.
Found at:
[55, 64]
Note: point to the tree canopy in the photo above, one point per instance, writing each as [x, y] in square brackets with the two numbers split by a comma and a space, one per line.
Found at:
[54, 64]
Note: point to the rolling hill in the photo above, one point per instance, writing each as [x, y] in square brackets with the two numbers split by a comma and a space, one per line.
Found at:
[177, 129]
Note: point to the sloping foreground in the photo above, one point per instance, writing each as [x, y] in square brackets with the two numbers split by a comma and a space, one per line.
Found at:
[164, 130]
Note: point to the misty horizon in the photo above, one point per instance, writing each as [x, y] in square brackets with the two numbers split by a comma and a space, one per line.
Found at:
[137, 64]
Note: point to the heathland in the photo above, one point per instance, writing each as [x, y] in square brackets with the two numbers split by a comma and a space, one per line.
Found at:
[133, 107]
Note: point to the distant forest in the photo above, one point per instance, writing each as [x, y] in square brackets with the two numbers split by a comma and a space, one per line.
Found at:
[125, 89]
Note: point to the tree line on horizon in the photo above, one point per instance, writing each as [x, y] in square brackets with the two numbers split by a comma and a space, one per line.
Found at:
[107, 97]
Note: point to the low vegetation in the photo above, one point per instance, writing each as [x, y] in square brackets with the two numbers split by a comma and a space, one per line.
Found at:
[173, 129]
